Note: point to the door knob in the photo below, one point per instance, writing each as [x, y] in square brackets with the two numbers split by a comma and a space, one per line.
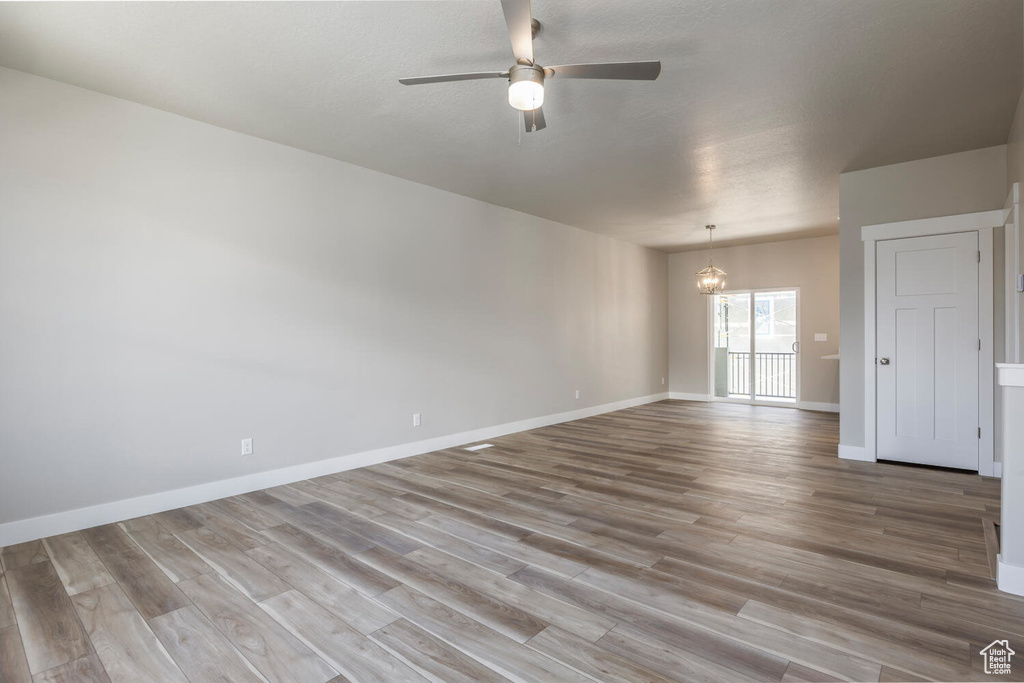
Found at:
[883, 361]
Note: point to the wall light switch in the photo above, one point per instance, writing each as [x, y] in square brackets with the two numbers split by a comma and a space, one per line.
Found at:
[820, 336]
[415, 419]
[247, 446]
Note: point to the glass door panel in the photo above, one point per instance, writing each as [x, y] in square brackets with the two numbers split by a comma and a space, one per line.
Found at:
[731, 345]
[775, 347]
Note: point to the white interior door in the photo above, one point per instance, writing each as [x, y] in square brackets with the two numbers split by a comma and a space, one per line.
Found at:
[927, 344]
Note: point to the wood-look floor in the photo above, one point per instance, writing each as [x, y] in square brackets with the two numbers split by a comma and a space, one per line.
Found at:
[673, 541]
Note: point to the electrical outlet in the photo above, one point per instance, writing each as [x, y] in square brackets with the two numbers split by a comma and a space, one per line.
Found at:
[577, 393]
[415, 419]
[820, 336]
[247, 446]
[662, 381]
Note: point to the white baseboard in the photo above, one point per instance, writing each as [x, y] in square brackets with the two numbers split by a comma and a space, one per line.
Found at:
[997, 470]
[855, 453]
[820, 407]
[1009, 577]
[683, 396]
[107, 513]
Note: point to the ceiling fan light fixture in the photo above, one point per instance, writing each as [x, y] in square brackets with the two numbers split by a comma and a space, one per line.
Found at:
[526, 79]
[526, 87]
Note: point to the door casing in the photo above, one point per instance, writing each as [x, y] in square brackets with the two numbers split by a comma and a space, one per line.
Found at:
[983, 223]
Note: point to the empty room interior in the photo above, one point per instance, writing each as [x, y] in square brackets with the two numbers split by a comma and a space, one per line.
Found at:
[499, 340]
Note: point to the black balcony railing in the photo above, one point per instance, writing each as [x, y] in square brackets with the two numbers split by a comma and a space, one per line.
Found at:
[774, 375]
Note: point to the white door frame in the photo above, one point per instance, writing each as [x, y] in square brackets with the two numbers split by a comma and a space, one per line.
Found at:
[711, 348]
[983, 223]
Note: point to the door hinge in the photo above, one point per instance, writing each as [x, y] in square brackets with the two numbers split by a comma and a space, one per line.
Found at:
[979, 432]
[979, 257]
[979, 345]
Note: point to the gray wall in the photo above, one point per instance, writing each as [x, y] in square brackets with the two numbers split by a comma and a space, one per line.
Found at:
[809, 264]
[168, 287]
[1011, 399]
[941, 186]
[1015, 147]
[1015, 174]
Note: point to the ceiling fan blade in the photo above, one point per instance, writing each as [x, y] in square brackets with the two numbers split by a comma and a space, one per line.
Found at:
[519, 20]
[420, 80]
[630, 71]
[534, 120]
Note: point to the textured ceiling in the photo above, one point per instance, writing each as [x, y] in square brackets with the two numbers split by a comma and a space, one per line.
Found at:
[759, 107]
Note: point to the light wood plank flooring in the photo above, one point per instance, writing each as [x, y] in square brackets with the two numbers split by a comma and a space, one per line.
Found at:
[672, 541]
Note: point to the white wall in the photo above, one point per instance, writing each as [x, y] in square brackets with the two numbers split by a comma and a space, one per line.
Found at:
[168, 287]
[942, 186]
[810, 264]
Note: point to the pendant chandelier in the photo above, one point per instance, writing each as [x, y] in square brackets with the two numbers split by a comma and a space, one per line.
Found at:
[710, 280]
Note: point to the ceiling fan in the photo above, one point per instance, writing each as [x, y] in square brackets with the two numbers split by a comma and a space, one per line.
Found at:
[526, 77]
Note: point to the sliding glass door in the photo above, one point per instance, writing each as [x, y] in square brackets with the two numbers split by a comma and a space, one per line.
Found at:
[754, 346]
[731, 345]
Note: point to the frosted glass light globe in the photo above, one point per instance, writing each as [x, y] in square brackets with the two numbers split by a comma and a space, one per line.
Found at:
[526, 95]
